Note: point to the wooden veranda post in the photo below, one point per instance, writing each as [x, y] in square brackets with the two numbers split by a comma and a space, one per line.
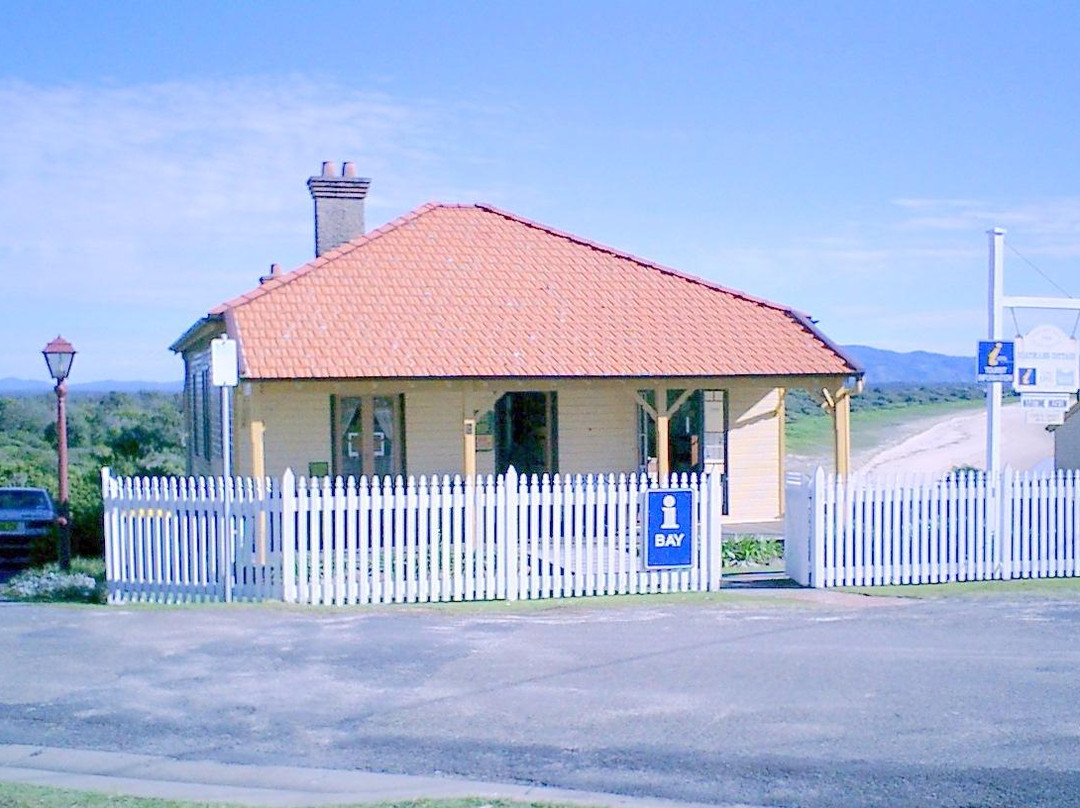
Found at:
[838, 405]
[469, 447]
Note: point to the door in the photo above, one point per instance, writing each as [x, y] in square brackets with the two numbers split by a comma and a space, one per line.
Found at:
[525, 433]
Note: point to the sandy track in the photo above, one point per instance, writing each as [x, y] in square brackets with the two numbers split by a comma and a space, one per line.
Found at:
[960, 440]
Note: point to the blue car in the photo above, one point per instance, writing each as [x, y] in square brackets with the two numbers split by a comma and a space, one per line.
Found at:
[25, 513]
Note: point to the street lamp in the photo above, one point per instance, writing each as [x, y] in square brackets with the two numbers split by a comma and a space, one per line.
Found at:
[58, 356]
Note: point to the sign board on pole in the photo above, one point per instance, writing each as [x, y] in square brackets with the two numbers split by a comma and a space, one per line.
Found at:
[1047, 361]
[668, 529]
[1046, 408]
[995, 361]
[224, 371]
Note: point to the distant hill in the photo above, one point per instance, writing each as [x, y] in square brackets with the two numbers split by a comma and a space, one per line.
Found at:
[882, 367]
[919, 367]
[11, 386]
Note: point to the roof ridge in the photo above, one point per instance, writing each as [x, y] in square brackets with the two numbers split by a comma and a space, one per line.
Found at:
[595, 245]
[342, 249]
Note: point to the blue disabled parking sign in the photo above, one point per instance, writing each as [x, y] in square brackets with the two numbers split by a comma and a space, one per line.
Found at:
[667, 528]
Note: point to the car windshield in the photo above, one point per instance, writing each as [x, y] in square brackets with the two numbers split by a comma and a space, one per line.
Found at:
[23, 500]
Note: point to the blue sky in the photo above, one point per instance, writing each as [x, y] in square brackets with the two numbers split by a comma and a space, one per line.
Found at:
[842, 158]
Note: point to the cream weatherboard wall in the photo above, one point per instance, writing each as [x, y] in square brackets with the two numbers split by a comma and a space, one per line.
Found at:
[597, 422]
[754, 445]
[597, 430]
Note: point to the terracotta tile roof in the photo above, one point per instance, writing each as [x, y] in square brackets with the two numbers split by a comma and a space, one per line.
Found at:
[471, 291]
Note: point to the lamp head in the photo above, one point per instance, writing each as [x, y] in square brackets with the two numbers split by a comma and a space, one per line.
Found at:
[58, 356]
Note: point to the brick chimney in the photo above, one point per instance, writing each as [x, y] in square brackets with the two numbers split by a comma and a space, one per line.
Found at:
[339, 206]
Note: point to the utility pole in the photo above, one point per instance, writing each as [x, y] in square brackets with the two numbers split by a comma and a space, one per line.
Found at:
[993, 389]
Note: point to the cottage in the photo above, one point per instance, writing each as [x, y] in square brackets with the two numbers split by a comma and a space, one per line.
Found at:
[465, 339]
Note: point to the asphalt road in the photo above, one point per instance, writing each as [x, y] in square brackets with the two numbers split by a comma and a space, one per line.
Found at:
[765, 702]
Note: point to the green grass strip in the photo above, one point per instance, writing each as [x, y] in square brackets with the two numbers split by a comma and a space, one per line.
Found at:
[1059, 588]
[16, 795]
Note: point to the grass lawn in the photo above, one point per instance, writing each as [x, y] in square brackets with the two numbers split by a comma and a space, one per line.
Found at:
[14, 795]
[813, 435]
[1060, 588]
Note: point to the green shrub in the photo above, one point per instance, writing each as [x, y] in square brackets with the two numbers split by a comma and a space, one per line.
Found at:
[747, 551]
[84, 583]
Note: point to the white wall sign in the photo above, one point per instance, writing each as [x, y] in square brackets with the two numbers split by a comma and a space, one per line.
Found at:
[1047, 361]
[1046, 408]
[223, 366]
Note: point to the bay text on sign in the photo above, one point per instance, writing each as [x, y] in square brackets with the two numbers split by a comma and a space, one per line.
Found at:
[667, 528]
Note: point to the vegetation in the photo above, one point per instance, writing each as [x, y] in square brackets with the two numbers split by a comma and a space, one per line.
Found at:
[751, 551]
[133, 434]
[83, 583]
[801, 404]
[1055, 588]
[13, 795]
[874, 413]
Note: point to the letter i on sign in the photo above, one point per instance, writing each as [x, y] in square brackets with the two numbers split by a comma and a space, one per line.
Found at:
[669, 511]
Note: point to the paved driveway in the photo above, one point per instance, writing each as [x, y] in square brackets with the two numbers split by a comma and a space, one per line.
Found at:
[766, 701]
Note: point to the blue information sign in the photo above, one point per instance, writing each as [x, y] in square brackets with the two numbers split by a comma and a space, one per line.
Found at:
[996, 361]
[667, 528]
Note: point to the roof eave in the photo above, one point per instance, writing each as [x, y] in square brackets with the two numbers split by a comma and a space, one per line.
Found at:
[206, 327]
[807, 323]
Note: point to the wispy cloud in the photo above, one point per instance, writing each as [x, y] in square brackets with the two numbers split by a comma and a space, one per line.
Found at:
[172, 197]
[1058, 216]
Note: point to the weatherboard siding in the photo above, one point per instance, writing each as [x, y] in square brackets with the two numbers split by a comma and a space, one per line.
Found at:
[596, 421]
[433, 430]
[202, 414]
[597, 428]
[296, 420]
[753, 451]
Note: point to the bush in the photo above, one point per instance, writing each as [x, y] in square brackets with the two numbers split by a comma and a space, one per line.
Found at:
[84, 583]
[747, 551]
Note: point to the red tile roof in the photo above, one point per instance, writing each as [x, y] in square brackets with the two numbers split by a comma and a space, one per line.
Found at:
[471, 291]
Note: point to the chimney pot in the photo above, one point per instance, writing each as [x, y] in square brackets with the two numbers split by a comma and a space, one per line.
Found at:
[339, 206]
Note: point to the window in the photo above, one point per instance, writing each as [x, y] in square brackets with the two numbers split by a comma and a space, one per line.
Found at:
[199, 398]
[368, 434]
[204, 416]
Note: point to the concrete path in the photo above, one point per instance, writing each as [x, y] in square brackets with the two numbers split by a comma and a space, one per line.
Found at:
[206, 781]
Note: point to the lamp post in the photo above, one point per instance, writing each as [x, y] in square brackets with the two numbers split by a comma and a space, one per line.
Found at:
[58, 356]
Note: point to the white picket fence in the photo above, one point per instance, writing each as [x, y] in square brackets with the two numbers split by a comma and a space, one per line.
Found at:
[863, 531]
[393, 540]
[165, 538]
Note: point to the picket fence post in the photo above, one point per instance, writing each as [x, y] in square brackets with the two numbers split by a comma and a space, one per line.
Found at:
[511, 533]
[716, 536]
[288, 536]
[817, 531]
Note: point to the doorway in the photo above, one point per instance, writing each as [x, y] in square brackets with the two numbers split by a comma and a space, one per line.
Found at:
[525, 433]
